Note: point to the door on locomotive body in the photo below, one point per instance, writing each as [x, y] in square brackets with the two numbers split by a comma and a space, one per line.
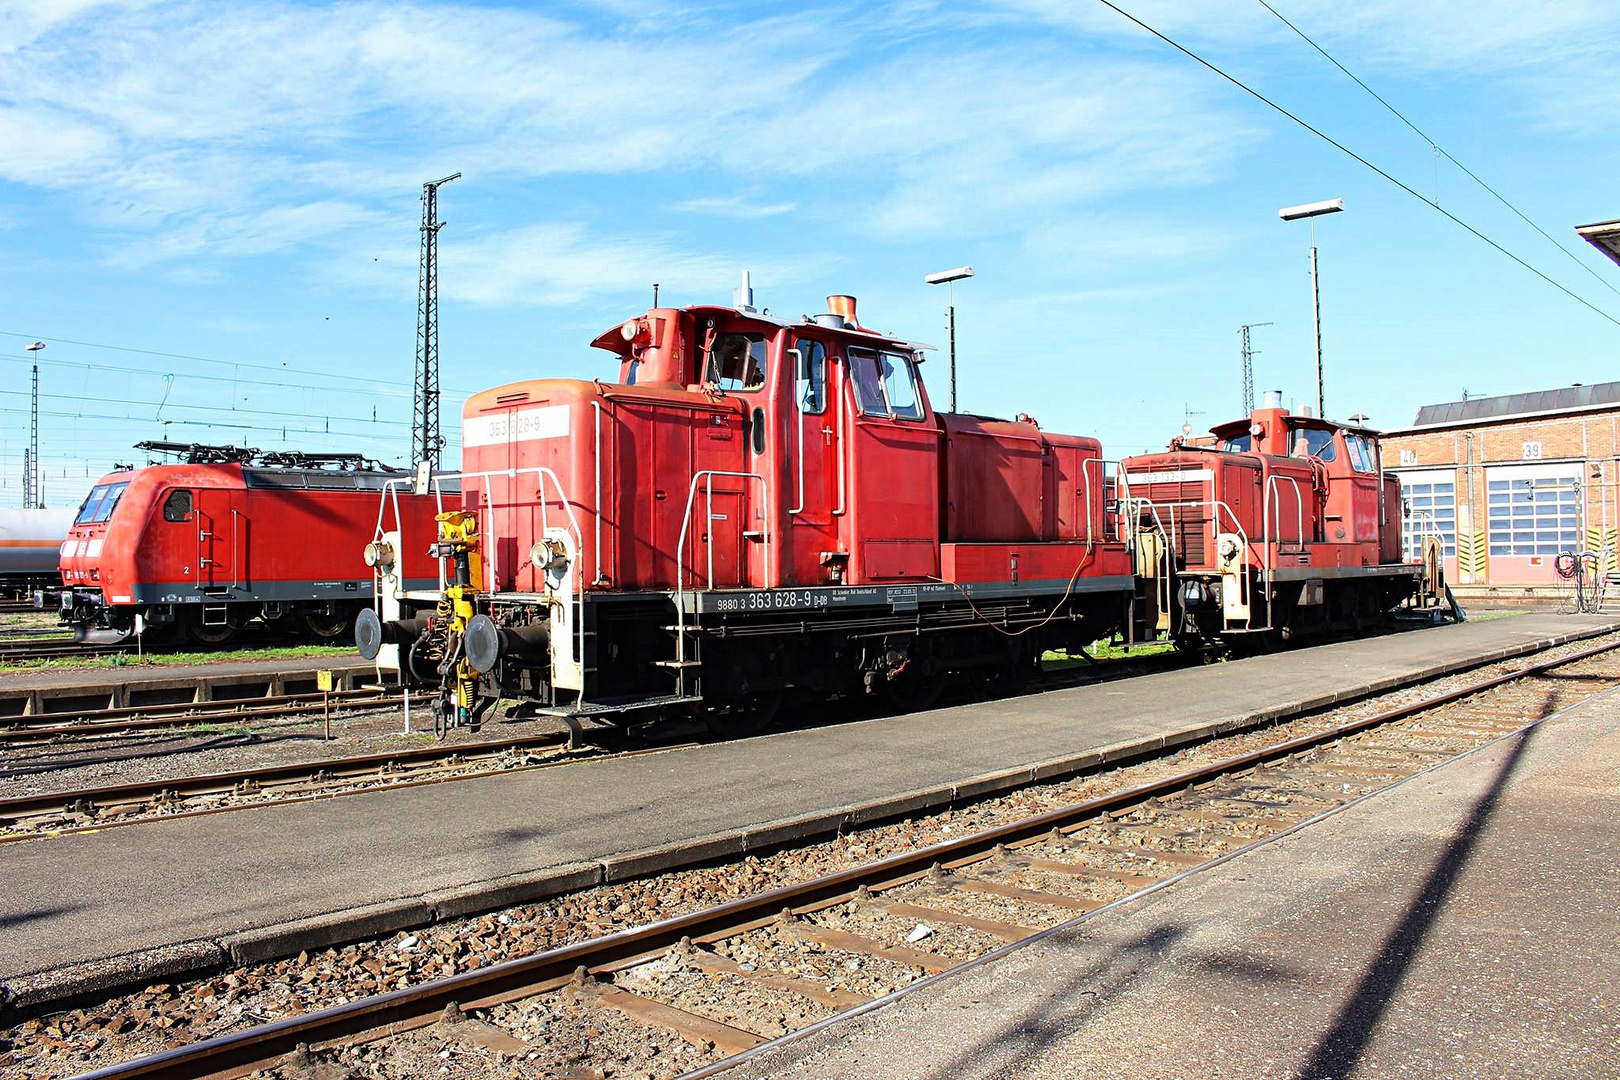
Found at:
[727, 528]
[893, 468]
[1365, 495]
[221, 538]
[813, 497]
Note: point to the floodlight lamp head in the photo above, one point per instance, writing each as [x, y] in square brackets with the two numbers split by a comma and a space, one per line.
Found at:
[1310, 210]
[945, 276]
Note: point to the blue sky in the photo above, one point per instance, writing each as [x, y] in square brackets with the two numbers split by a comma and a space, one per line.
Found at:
[237, 185]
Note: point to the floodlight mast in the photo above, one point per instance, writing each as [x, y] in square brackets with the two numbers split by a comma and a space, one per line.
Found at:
[1310, 212]
[425, 409]
[948, 279]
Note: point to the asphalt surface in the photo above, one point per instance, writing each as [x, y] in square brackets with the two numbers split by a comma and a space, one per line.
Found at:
[1462, 924]
[91, 910]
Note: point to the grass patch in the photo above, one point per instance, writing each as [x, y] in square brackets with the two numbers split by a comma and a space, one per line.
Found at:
[1105, 650]
[173, 659]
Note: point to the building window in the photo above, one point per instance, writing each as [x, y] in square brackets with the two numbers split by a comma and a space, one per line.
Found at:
[1431, 510]
[1533, 510]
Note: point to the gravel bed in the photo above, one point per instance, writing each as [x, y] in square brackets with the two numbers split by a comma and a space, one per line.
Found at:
[569, 1039]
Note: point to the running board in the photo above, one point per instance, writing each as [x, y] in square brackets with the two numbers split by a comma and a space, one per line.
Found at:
[604, 708]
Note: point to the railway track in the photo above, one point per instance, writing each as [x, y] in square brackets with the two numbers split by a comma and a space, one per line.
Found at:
[69, 810]
[687, 994]
[58, 650]
[25, 817]
[136, 719]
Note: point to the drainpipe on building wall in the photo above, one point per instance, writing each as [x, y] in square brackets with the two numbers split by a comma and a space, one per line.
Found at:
[1468, 469]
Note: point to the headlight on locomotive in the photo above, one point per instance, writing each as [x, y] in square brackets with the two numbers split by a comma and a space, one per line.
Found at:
[379, 555]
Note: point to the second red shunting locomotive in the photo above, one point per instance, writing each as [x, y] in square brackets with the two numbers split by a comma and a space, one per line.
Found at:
[758, 505]
[201, 548]
[1287, 525]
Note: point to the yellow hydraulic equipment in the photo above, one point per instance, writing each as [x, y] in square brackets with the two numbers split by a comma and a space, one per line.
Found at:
[458, 543]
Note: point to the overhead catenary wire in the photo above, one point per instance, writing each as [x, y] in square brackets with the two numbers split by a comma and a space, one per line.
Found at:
[280, 370]
[1442, 151]
[1560, 286]
[209, 408]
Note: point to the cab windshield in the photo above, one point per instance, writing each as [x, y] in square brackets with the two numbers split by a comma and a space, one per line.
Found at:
[1314, 442]
[98, 505]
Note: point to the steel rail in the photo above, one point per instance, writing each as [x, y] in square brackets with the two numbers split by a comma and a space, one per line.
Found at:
[245, 781]
[51, 650]
[403, 1010]
[38, 727]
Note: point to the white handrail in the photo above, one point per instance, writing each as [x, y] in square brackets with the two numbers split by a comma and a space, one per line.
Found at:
[390, 496]
[1102, 464]
[708, 476]
[596, 555]
[1217, 505]
[1267, 503]
[799, 415]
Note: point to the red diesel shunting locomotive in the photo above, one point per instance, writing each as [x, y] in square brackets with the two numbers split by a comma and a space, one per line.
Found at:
[1287, 526]
[225, 537]
[753, 506]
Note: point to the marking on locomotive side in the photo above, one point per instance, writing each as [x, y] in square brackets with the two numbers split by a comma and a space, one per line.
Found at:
[544, 422]
[1184, 476]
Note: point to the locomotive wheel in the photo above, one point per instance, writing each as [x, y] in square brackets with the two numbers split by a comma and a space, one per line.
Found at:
[911, 693]
[744, 718]
[327, 628]
[210, 635]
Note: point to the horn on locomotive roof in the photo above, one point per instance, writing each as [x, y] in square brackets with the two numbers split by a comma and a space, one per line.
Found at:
[742, 297]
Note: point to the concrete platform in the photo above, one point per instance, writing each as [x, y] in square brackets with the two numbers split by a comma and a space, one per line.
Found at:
[89, 910]
[1463, 924]
[45, 690]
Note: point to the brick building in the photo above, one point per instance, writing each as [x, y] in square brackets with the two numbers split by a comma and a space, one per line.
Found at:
[1510, 482]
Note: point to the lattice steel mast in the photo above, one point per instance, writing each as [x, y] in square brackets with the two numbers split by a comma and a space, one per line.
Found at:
[426, 440]
[35, 500]
[1248, 366]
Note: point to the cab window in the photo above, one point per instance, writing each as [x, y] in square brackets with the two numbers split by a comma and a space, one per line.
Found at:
[1314, 442]
[868, 383]
[812, 378]
[900, 386]
[1240, 444]
[177, 507]
[737, 362]
[98, 505]
[1361, 454]
[885, 384]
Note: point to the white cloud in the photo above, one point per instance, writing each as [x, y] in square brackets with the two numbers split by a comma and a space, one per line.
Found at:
[559, 264]
[734, 206]
[260, 127]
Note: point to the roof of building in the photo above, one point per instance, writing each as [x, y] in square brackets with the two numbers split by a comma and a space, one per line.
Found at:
[1486, 410]
[1603, 235]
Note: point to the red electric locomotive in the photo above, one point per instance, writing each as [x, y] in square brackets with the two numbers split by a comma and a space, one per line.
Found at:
[223, 537]
[753, 506]
[1288, 525]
